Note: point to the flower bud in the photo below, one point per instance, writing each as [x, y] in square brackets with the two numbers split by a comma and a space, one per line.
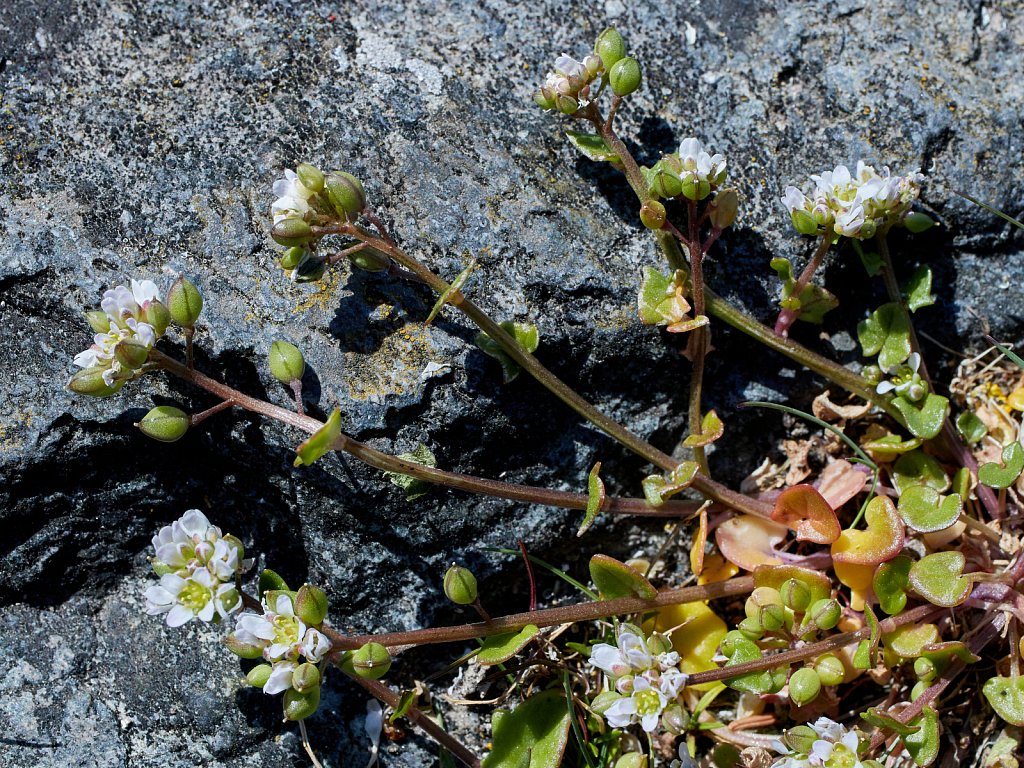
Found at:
[294, 256]
[298, 705]
[286, 362]
[795, 595]
[803, 222]
[370, 260]
[918, 222]
[131, 354]
[566, 104]
[592, 65]
[610, 47]
[460, 585]
[311, 605]
[624, 76]
[804, 686]
[925, 669]
[652, 214]
[666, 183]
[722, 211]
[306, 677]
[544, 99]
[157, 315]
[830, 669]
[257, 676]
[290, 232]
[604, 700]
[732, 640]
[89, 381]
[372, 661]
[867, 230]
[345, 192]
[632, 760]
[800, 739]
[311, 177]
[245, 650]
[675, 719]
[872, 373]
[98, 320]
[825, 613]
[165, 423]
[184, 302]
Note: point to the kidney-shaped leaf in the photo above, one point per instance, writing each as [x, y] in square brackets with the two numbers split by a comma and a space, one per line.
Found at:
[805, 510]
[882, 540]
[1006, 695]
[750, 541]
[615, 579]
[500, 648]
[918, 468]
[890, 584]
[924, 418]
[885, 333]
[534, 735]
[711, 428]
[657, 488]
[939, 579]
[996, 476]
[908, 641]
[926, 510]
[923, 745]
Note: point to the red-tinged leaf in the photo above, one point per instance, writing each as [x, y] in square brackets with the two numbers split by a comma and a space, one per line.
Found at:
[699, 540]
[882, 540]
[805, 510]
[711, 428]
[840, 481]
[749, 541]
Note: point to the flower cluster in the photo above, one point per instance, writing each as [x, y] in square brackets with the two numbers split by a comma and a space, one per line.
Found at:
[825, 744]
[198, 568]
[127, 325]
[282, 638]
[692, 172]
[567, 87]
[644, 674]
[853, 205]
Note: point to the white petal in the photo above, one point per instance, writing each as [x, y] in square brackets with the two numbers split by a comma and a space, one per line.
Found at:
[178, 615]
[280, 678]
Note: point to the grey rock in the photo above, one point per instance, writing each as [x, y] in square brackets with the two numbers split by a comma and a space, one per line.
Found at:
[142, 138]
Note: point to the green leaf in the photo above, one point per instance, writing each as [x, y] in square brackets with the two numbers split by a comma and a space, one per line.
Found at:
[534, 735]
[889, 447]
[711, 428]
[752, 682]
[595, 498]
[885, 333]
[813, 301]
[926, 510]
[918, 468]
[615, 579]
[862, 656]
[919, 289]
[890, 584]
[497, 649]
[450, 291]
[942, 653]
[880, 719]
[871, 260]
[662, 301]
[657, 488]
[405, 702]
[939, 579]
[320, 442]
[1006, 695]
[525, 335]
[592, 146]
[925, 418]
[414, 487]
[971, 428]
[923, 745]
[1003, 476]
[909, 641]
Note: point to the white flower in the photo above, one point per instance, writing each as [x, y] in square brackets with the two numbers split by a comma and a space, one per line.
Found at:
[280, 679]
[850, 221]
[644, 705]
[629, 656]
[835, 747]
[199, 595]
[292, 198]
[905, 380]
[282, 635]
[699, 163]
[126, 320]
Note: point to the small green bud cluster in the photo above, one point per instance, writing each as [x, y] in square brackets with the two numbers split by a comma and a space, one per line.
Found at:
[568, 86]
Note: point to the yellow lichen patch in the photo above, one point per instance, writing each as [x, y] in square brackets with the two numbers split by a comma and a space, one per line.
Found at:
[325, 295]
[394, 368]
[11, 430]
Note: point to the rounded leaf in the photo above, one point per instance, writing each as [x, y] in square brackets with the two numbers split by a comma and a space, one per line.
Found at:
[616, 579]
[939, 579]
[882, 540]
[750, 541]
[926, 510]
[918, 468]
[1006, 695]
[803, 509]
[890, 584]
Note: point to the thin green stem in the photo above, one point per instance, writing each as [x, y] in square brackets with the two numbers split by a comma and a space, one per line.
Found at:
[700, 337]
[789, 316]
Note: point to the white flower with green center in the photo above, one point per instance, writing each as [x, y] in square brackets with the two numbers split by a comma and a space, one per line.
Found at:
[200, 595]
[125, 321]
[834, 747]
[292, 198]
[282, 635]
[699, 164]
[644, 705]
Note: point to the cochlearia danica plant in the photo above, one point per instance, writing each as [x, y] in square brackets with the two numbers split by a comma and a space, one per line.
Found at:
[824, 617]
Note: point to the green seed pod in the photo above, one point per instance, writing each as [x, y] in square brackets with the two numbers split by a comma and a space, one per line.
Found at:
[460, 585]
[800, 739]
[543, 100]
[90, 382]
[632, 760]
[872, 373]
[778, 679]
[165, 423]
[131, 354]
[919, 687]
[310, 177]
[290, 232]
[184, 302]
[306, 677]
[567, 105]
[751, 629]
[803, 222]
[675, 719]
[925, 669]
[604, 700]
[830, 669]
[665, 184]
[825, 613]
[795, 595]
[257, 676]
[311, 605]
[804, 686]
[610, 47]
[624, 76]
[732, 639]
[760, 598]
[158, 316]
[244, 650]
[291, 258]
[298, 705]
[695, 188]
[345, 192]
[722, 211]
[286, 362]
[370, 260]
[652, 214]
[372, 661]
[918, 222]
[309, 271]
[772, 617]
[98, 320]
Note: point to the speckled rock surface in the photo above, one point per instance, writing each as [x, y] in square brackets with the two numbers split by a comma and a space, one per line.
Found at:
[142, 138]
